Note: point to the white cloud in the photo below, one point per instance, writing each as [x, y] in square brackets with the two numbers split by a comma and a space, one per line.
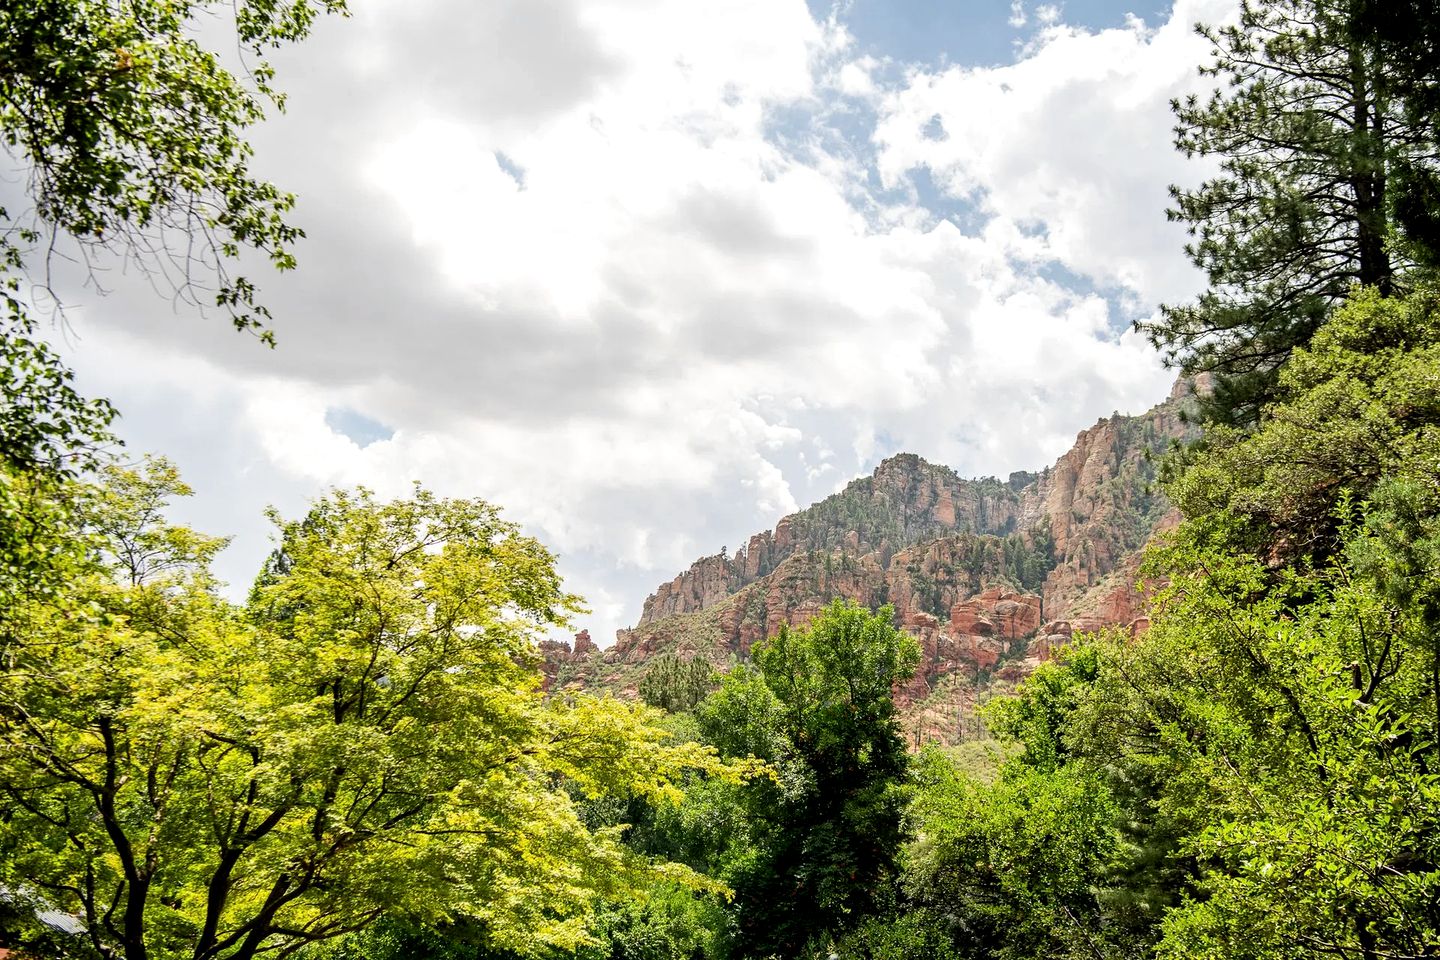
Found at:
[856, 79]
[1070, 144]
[611, 265]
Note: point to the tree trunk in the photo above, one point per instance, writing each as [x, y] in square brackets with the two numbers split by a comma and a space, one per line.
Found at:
[1367, 164]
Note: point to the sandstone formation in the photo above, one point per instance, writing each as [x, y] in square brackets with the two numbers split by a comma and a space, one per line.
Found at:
[584, 646]
[1101, 504]
[557, 653]
[991, 577]
[906, 500]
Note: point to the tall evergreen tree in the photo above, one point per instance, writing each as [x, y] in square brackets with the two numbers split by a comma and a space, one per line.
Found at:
[677, 685]
[1407, 34]
[1308, 134]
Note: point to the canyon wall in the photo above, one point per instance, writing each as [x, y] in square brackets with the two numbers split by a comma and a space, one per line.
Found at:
[990, 576]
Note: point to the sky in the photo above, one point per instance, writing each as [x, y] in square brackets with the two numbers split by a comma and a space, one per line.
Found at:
[651, 274]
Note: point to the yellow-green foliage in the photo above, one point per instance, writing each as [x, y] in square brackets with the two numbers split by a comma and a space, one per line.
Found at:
[200, 779]
[1361, 404]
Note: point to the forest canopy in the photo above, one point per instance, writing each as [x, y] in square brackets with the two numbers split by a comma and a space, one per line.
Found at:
[359, 759]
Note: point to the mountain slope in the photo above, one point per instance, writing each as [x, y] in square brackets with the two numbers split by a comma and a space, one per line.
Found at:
[904, 502]
[988, 575]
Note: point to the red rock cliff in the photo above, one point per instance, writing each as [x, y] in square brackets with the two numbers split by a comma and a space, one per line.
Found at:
[990, 577]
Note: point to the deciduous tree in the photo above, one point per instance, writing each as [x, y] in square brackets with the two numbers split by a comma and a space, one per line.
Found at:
[827, 831]
[195, 779]
[133, 135]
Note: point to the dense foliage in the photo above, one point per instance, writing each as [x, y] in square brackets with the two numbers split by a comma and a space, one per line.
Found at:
[1326, 149]
[677, 685]
[366, 735]
[358, 761]
[829, 830]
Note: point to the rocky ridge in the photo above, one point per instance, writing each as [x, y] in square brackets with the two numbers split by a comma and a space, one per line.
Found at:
[990, 576]
[905, 501]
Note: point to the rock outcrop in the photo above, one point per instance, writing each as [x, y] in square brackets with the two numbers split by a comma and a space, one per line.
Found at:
[906, 500]
[584, 646]
[1101, 503]
[555, 654]
[990, 576]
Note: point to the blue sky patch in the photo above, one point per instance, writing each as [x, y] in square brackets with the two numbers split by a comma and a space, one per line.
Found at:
[976, 33]
[356, 426]
[513, 169]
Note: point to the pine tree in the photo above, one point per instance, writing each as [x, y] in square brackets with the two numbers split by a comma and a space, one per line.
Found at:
[1308, 133]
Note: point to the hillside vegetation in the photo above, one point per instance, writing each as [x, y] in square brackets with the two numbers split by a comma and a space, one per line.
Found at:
[1225, 745]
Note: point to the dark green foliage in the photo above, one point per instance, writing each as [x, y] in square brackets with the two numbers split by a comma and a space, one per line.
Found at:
[1012, 869]
[677, 685]
[1030, 558]
[916, 934]
[1307, 134]
[826, 832]
[1407, 35]
[810, 851]
[664, 923]
[390, 939]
